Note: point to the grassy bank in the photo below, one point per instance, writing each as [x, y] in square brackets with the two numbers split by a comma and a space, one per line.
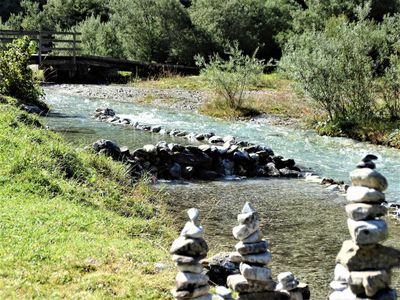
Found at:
[73, 225]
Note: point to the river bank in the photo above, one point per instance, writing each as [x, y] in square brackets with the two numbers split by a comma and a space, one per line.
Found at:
[73, 224]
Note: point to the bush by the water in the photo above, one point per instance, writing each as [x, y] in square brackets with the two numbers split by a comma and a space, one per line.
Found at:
[16, 79]
[229, 77]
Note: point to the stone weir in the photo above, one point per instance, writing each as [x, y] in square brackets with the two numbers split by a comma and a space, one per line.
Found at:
[363, 269]
[205, 162]
[219, 158]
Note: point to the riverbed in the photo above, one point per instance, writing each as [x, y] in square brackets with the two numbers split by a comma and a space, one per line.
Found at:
[305, 223]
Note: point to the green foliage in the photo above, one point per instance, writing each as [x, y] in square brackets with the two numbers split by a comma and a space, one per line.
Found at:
[255, 24]
[15, 77]
[334, 67]
[99, 38]
[162, 31]
[230, 77]
[390, 88]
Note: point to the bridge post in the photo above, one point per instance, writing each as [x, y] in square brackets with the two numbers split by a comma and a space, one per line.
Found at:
[74, 49]
[40, 46]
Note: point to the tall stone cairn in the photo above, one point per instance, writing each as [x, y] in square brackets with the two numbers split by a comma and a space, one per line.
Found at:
[187, 251]
[363, 269]
[255, 280]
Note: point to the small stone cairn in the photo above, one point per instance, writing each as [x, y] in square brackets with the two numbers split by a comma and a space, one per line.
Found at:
[255, 280]
[187, 251]
[289, 284]
[364, 266]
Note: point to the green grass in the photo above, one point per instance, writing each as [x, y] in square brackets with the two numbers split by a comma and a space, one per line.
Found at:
[73, 225]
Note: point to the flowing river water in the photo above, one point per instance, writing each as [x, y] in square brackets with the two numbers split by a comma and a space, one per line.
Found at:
[305, 224]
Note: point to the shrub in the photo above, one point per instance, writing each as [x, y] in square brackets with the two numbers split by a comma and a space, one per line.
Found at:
[230, 77]
[390, 88]
[335, 69]
[16, 78]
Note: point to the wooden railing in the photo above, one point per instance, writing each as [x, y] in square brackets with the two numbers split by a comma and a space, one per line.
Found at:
[48, 42]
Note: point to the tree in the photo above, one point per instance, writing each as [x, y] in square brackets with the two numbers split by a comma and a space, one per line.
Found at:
[253, 23]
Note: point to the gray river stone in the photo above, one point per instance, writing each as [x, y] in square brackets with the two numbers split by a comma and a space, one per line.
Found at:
[175, 171]
[286, 277]
[362, 211]
[216, 140]
[369, 282]
[361, 194]
[194, 215]
[341, 273]
[223, 292]
[261, 258]
[241, 232]
[372, 257]
[192, 231]
[253, 248]
[239, 284]
[151, 149]
[192, 293]
[189, 246]
[188, 281]
[368, 232]
[193, 268]
[369, 178]
[255, 273]
[266, 295]
[155, 129]
[254, 238]
[184, 259]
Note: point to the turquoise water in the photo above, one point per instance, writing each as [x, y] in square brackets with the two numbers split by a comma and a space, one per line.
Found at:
[326, 156]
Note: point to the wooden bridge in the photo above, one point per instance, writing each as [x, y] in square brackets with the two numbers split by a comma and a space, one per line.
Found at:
[58, 54]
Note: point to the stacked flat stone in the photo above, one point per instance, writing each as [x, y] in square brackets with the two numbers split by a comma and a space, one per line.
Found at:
[288, 284]
[253, 255]
[364, 266]
[187, 251]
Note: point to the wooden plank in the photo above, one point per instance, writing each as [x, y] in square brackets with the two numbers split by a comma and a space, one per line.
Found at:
[20, 33]
[61, 49]
[60, 41]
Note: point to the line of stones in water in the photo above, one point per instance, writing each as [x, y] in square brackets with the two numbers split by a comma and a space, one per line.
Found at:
[364, 266]
[220, 157]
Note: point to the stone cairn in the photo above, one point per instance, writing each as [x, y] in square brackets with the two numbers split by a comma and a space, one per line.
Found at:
[364, 266]
[187, 251]
[255, 280]
[289, 284]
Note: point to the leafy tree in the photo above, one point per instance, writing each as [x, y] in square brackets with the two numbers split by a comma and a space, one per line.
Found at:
[230, 77]
[253, 23]
[162, 30]
[99, 38]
